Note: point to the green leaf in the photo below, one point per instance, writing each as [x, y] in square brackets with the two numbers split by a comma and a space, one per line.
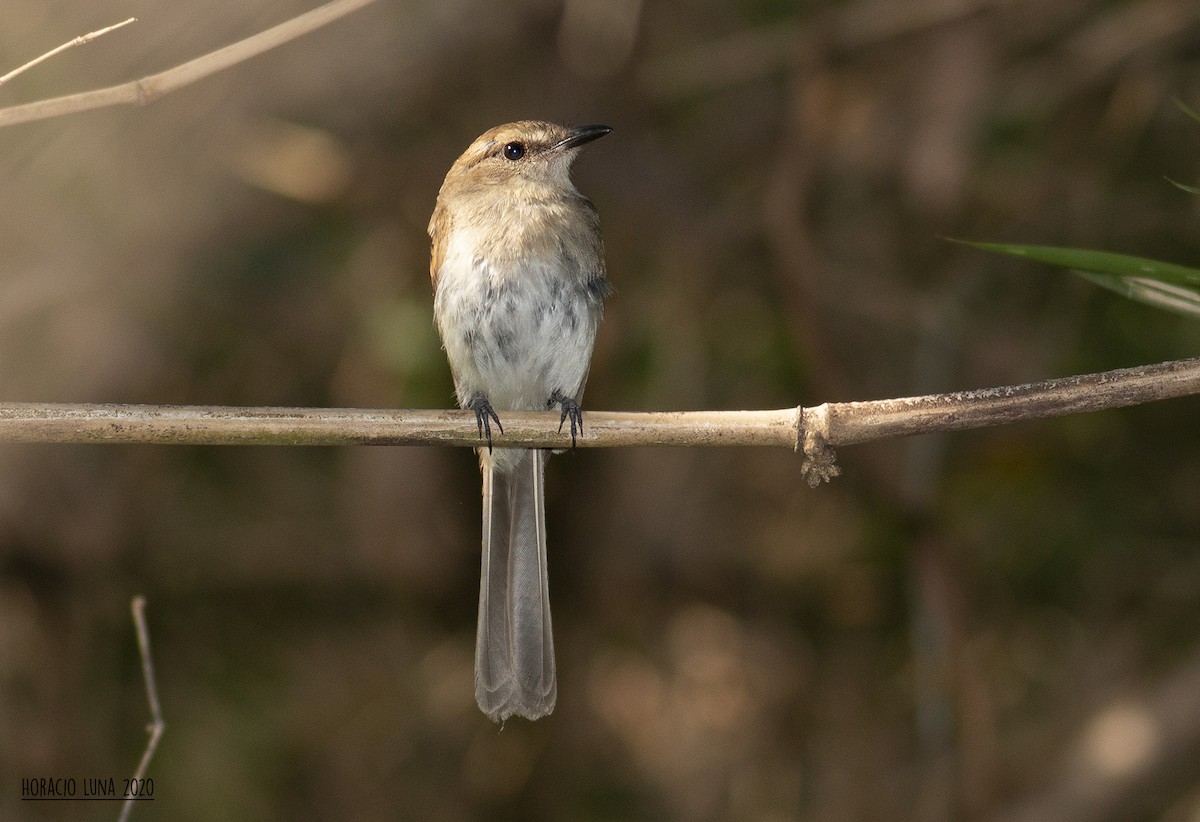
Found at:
[1099, 262]
[1162, 295]
[1163, 285]
[1180, 105]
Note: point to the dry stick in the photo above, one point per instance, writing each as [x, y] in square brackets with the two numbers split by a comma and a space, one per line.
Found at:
[148, 89]
[208, 425]
[156, 726]
[814, 430]
[78, 41]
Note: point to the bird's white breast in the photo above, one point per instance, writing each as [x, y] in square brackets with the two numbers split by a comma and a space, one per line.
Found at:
[516, 327]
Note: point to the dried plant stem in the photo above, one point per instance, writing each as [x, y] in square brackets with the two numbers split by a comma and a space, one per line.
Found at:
[815, 430]
[207, 425]
[156, 726]
[78, 41]
[148, 89]
[855, 422]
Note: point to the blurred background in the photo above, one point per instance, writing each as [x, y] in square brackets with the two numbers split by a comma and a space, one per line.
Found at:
[992, 625]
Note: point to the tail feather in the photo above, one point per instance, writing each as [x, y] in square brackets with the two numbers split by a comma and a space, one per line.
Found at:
[514, 647]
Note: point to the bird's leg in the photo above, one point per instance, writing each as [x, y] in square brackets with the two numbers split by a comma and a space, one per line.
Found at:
[483, 411]
[571, 409]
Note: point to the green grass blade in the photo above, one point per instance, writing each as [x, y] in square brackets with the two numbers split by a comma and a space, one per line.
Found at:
[1099, 262]
[1167, 286]
[1187, 188]
[1166, 296]
[1182, 107]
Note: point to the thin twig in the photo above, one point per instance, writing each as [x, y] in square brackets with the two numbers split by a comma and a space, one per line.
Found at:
[78, 41]
[814, 430]
[148, 89]
[156, 726]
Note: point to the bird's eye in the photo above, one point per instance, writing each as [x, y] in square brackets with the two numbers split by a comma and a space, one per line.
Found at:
[514, 151]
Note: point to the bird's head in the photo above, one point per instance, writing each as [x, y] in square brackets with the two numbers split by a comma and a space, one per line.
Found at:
[528, 151]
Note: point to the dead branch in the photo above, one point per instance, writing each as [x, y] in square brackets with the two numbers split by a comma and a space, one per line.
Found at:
[78, 41]
[156, 726]
[148, 89]
[814, 430]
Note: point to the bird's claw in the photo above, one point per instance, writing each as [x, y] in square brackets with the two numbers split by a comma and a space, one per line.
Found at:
[484, 415]
[570, 409]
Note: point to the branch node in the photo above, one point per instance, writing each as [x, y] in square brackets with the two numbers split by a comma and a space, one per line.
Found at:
[820, 460]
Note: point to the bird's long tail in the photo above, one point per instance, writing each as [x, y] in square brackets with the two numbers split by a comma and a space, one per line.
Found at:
[514, 646]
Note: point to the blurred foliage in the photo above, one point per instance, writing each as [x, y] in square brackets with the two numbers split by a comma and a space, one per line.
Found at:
[986, 625]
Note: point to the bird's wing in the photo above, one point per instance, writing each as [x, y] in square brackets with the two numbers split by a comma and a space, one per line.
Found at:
[439, 232]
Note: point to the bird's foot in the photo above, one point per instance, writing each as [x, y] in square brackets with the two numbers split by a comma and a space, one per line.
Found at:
[570, 409]
[484, 415]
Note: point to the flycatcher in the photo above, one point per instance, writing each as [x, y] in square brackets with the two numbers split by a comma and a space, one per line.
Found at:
[519, 287]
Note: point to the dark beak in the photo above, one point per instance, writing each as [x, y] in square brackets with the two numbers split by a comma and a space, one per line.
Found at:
[583, 134]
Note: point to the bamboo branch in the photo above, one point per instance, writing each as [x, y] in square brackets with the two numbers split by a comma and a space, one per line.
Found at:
[815, 431]
[150, 88]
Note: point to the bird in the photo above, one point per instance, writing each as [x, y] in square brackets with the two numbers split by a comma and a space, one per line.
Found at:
[519, 284]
